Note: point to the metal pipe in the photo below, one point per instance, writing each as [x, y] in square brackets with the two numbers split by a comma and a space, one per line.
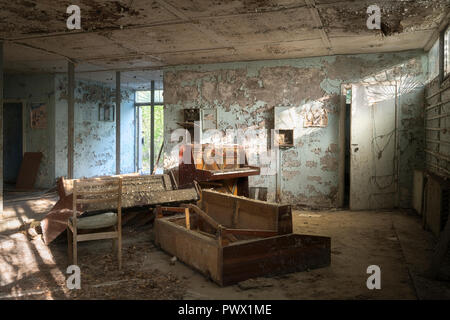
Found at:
[438, 155]
[436, 105]
[438, 117]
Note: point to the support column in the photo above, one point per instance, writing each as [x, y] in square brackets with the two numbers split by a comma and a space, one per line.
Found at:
[70, 119]
[1, 128]
[152, 130]
[441, 56]
[118, 101]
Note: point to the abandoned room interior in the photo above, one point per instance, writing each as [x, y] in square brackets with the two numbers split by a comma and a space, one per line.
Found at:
[238, 149]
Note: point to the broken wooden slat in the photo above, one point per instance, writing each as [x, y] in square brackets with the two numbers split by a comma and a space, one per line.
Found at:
[205, 217]
[227, 263]
[250, 232]
[29, 170]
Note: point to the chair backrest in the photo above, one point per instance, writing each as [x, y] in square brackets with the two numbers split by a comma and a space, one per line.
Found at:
[92, 194]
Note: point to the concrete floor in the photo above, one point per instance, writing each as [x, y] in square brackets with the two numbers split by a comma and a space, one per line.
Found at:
[393, 240]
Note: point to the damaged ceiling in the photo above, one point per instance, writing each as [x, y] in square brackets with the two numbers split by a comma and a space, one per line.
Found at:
[140, 34]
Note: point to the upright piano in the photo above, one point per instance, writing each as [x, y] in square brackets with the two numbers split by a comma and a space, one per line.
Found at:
[223, 168]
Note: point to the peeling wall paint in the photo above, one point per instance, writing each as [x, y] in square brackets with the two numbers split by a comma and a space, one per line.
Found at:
[246, 93]
[95, 141]
[36, 89]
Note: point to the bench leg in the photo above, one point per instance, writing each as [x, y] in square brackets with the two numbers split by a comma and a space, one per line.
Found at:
[119, 252]
[69, 245]
[74, 248]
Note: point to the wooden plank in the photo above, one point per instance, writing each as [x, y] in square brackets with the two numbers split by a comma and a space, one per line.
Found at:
[188, 218]
[205, 217]
[227, 263]
[251, 232]
[97, 236]
[29, 170]
[196, 250]
[272, 256]
[174, 209]
[243, 213]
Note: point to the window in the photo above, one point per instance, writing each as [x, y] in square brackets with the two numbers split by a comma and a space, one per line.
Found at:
[145, 96]
[150, 130]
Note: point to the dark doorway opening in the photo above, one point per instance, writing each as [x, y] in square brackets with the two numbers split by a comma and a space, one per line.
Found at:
[12, 141]
[348, 107]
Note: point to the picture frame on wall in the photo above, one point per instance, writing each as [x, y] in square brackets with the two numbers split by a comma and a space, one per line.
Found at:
[106, 113]
[209, 119]
[38, 116]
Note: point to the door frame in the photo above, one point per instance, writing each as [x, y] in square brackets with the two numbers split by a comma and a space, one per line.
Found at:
[24, 120]
[342, 129]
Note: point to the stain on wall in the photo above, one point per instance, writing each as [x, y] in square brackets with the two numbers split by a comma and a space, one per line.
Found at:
[246, 93]
[95, 141]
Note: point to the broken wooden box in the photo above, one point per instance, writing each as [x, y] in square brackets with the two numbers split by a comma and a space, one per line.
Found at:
[231, 239]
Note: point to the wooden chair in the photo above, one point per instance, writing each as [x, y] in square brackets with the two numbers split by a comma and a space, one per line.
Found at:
[93, 195]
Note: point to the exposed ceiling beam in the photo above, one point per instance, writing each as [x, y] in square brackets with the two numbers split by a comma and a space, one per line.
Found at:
[319, 24]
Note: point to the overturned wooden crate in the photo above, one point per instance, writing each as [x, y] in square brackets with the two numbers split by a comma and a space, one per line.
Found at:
[231, 239]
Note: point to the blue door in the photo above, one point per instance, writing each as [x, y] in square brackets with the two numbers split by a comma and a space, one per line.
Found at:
[12, 141]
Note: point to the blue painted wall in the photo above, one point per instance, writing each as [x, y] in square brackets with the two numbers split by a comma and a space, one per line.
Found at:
[245, 95]
[36, 88]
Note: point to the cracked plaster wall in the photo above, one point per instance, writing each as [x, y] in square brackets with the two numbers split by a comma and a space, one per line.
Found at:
[95, 141]
[246, 93]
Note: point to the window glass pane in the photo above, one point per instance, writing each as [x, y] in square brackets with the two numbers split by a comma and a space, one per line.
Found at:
[159, 96]
[159, 135]
[143, 96]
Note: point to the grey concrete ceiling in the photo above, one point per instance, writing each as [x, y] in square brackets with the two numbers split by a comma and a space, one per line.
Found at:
[140, 34]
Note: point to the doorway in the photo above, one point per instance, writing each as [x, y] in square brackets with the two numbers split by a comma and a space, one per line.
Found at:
[371, 147]
[150, 129]
[13, 140]
[151, 138]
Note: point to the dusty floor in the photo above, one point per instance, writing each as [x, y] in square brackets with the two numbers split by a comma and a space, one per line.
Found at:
[393, 240]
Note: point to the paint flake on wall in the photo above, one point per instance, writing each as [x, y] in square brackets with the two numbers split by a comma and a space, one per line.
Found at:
[38, 116]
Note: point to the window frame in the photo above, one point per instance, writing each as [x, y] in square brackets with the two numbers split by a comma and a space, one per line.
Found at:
[152, 104]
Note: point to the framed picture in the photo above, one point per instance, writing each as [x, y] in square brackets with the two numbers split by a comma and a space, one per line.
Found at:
[106, 113]
[315, 117]
[209, 119]
[38, 116]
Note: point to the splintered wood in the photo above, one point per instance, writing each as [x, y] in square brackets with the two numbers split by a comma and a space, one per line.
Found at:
[142, 191]
[137, 191]
[231, 239]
